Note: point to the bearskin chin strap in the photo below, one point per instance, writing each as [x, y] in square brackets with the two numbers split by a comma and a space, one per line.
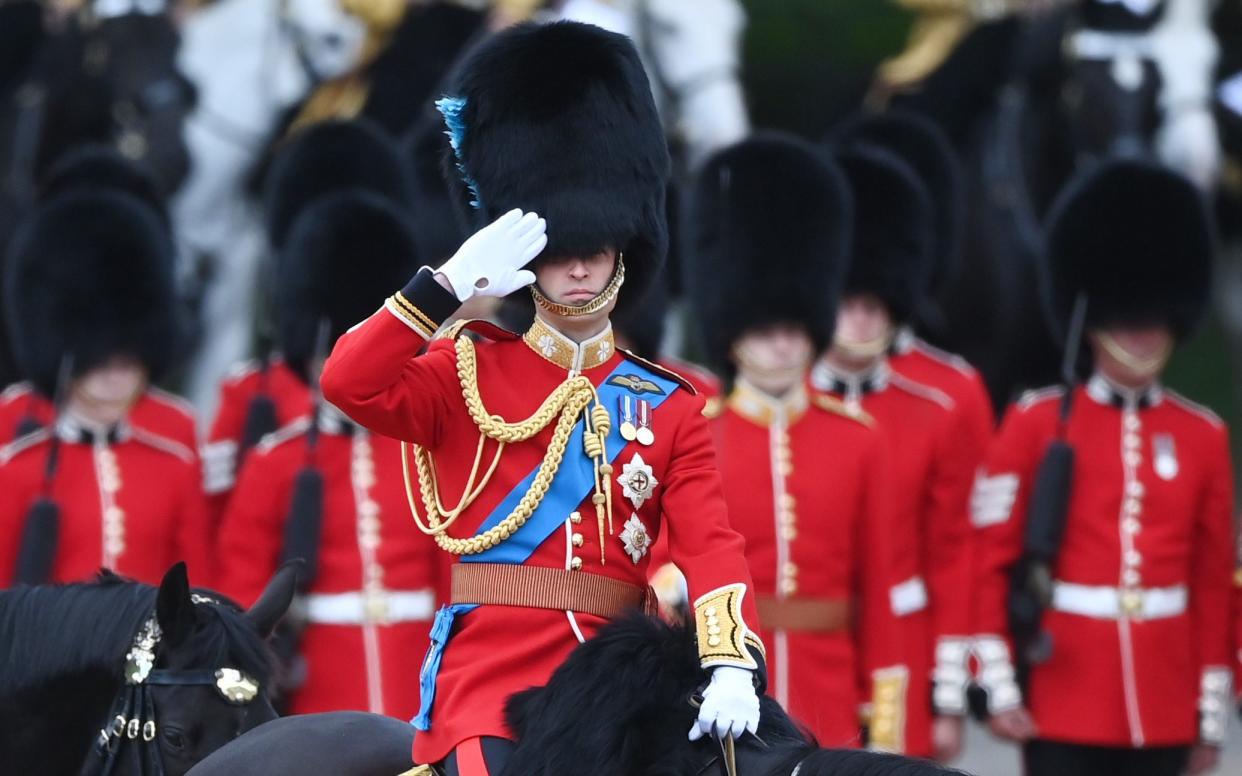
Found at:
[601, 300]
[1146, 367]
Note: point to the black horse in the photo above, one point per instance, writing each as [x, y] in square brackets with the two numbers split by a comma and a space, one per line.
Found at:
[619, 706]
[118, 677]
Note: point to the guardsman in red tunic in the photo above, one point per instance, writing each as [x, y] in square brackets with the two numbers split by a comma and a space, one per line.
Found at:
[1134, 672]
[23, 407]
[803, 477]
[372, 593]
[260, 396]
[921, 144]
[548, 462]
[928, 474]
[89, 284]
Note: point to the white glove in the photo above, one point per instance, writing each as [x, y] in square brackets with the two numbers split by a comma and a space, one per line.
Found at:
[729, 703]
[490, 262]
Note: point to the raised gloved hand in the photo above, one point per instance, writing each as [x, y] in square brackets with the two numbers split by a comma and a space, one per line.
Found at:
[490, 262]
[729, 704]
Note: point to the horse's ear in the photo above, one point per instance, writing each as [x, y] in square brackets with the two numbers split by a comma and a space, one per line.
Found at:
[275, 600]
[174, 609]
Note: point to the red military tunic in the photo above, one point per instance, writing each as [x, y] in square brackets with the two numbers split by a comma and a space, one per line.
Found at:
[805, 486]
[292, 399]
[129, 500]
[1140, 615]
[376, 376]
[929, 479]
[370, 606]
[156, 410]
[956, 378]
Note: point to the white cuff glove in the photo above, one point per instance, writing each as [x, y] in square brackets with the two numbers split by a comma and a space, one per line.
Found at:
[729, 704]
[490, 262]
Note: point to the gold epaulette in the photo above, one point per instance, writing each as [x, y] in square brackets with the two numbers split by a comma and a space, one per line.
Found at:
[1237, 578]
[838, 407]
[485, 329]
[714, 407]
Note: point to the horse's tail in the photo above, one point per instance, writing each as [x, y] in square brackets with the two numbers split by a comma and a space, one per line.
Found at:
[854, 762]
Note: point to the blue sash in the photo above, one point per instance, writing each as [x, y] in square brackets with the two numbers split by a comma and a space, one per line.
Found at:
[574, 480]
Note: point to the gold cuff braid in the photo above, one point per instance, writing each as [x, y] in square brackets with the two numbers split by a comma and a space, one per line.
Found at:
[722, 634]
[888, 709]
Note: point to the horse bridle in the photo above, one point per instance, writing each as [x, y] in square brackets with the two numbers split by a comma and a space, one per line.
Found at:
[132, 717]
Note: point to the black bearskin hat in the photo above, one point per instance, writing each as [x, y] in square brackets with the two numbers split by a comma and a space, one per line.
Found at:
[90, 274]
[559, 119]
[1138, 240]
[921, 144]
[768, 241]
[97, 166]
[345, 254]
[328, 157]
[893, 229]
[436, 224]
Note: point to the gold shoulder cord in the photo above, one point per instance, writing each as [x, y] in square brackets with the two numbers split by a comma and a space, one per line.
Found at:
[564, 405]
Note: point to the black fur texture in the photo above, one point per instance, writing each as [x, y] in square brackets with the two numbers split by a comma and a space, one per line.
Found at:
[894, 229]
[559, 120]
[619, 706]
[345, 254]
[1139, 240]
[768, 242]
[329, 157]
[90, 273]
[921, 144]
[95, 166]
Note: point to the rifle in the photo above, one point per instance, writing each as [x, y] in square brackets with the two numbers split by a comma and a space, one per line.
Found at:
[1030, 589]
[41, 528]
[303, 532]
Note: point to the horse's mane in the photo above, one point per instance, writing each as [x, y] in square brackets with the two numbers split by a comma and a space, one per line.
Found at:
[53, 630]
[619, 705]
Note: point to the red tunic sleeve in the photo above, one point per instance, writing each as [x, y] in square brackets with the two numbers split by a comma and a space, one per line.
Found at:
[376, 376]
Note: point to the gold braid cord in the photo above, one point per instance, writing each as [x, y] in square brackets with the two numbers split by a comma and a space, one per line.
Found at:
[565, 406]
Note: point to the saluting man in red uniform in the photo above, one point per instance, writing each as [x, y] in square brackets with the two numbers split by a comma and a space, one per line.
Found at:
[928, 472]
[548, 462]
[372, 596]
[23, 406]
[262, 395]
[88, 282]
[803, 476]
[1137, 680]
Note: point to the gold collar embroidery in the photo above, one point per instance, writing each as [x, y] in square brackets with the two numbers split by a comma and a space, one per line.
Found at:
[758, 407]
[567, 354]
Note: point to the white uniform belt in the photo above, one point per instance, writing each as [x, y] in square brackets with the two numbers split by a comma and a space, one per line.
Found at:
[359, 608]
[1112, 603]
[908, 597]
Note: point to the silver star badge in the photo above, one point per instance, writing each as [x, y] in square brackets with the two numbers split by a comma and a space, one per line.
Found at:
[637, 540]
[637, 481]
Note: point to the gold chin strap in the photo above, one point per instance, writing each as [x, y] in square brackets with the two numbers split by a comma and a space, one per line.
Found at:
[871, 348]
[590, 308]
[1145, 367]
[564, 405]
[747, 361]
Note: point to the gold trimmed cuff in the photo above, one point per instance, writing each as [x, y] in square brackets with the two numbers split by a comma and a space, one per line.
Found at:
[722, 635]
[411, 316]
[887, 730]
